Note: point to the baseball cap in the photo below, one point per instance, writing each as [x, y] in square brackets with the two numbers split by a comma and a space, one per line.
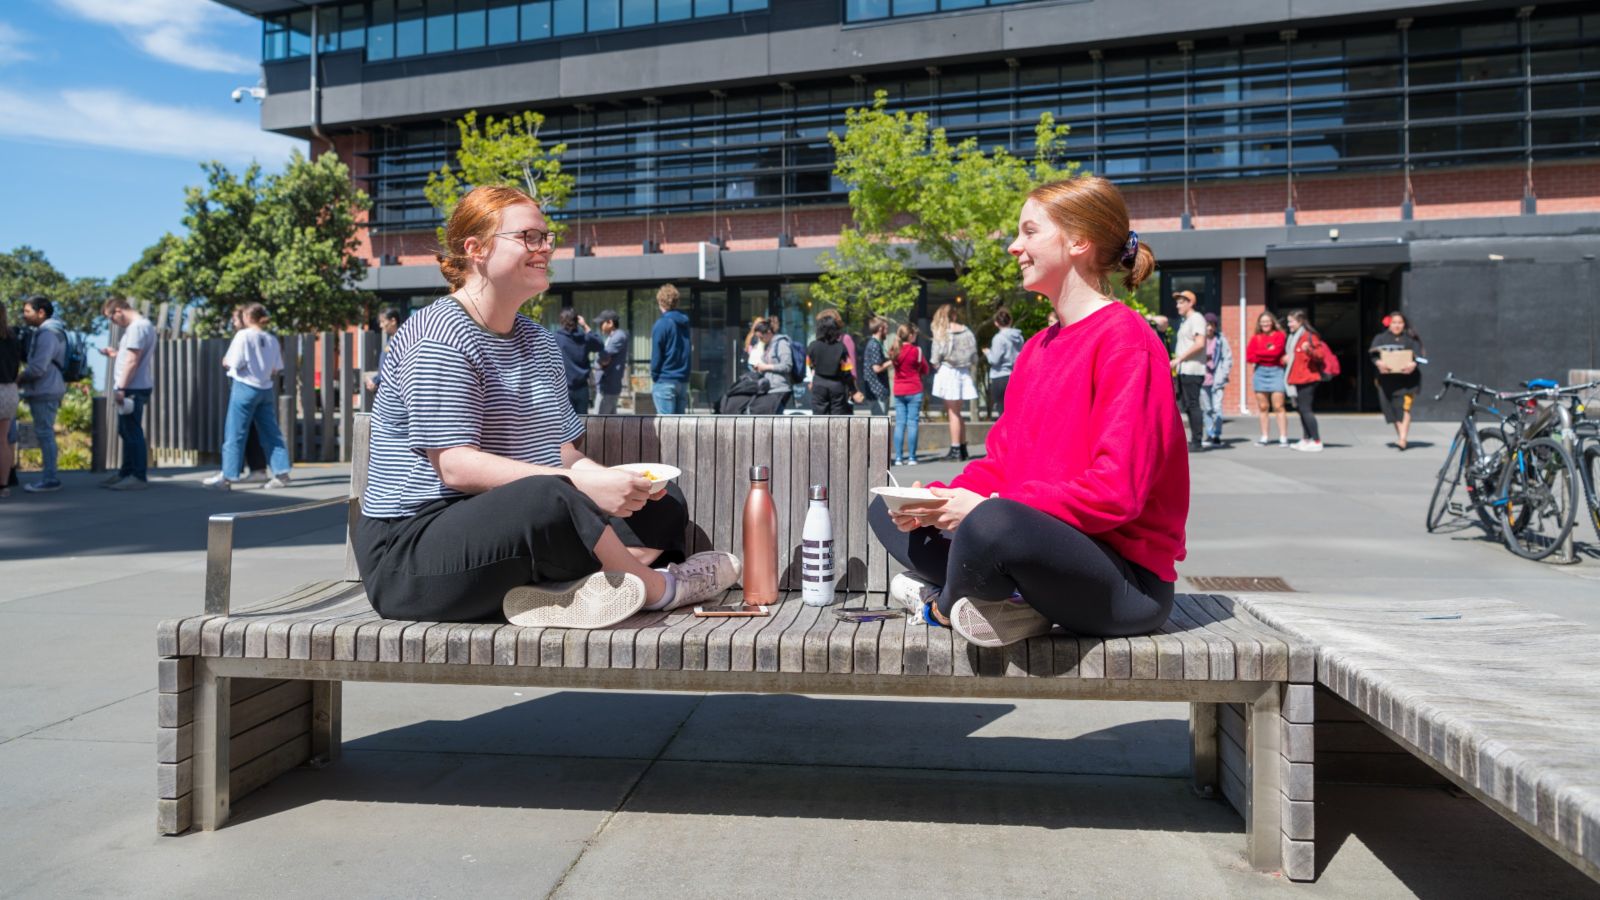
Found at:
[1211, 319]
[1187, 294]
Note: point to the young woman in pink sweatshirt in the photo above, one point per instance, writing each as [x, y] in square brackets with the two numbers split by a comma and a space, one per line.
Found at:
[1075, 517]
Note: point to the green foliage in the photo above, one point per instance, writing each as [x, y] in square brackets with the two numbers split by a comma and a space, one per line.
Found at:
[861, 276]
[25, 272]
[911, 188]
[504, 151]
[77, 411]
[286, 240]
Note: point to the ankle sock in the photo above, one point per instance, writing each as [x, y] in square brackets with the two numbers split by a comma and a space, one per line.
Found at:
[668, 595]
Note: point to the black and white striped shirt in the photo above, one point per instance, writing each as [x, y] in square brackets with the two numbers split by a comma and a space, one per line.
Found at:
[448, 382]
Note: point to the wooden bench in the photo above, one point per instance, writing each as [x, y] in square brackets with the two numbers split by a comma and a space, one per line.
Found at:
[1498, 699]
[248, 694]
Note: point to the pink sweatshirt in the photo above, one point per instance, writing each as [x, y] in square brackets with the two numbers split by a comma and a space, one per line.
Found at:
[1091, 435]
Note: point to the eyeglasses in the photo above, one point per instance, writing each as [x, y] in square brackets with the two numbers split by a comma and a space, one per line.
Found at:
[531, 238]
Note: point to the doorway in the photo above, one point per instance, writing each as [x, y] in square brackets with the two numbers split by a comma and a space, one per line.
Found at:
[1347, 310]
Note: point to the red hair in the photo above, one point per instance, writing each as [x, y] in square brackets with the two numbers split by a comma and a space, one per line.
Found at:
[477, 215]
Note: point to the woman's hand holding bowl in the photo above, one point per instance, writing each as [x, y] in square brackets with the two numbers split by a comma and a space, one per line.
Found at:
[616, 492]
[945, 518]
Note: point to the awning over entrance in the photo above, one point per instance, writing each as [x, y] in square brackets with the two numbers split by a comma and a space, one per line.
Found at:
[1371, 257]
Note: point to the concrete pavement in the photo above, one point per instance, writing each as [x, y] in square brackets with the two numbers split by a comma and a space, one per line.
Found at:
[450, 791]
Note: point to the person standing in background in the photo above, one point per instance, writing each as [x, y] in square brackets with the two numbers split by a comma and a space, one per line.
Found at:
[577, 342]
[874, 364]
[253, 358]
[1266, 352]
[613, 360]
[1002, 355]
[1304, 367]
[388, 324]
[43, 385]
[10, 368]
[1219, 365]
[955, 348]
[134, 377]
[909, 368]
[669, 355]
[1397, 385]
[1189, 364]
[833, 382]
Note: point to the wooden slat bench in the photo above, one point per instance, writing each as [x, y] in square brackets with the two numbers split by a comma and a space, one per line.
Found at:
[247, 694]
[1498, 699]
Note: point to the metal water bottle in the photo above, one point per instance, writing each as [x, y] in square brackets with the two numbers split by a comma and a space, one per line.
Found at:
[816, 551]
[760, 541]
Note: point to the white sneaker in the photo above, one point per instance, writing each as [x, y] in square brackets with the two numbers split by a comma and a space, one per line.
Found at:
[912, 592]
[703, 576]
[218, 482]
[996, 623]
[1263, 440]
[252, 476]
[912, 461]
[276, 481]
[1283, 442]
[602, 599]
[1310, 447]
[109, 480]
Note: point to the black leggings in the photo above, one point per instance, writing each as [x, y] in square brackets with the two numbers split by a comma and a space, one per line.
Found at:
[455, 559]
[1305, 400]
[1004, 547]
[1189, 387]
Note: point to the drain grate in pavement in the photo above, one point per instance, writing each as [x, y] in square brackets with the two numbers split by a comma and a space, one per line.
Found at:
[1256, 583]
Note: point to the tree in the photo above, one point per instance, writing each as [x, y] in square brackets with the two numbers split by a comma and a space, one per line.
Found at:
[152, 276]
[25, 272]
[861, 276]
[217, 219]
[300, 252]
[910, 188]
[504, 151]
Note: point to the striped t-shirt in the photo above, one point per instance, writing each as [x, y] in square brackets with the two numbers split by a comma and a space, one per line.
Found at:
[449, 382]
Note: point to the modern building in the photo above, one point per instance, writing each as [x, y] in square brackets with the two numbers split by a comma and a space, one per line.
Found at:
[1345, 156]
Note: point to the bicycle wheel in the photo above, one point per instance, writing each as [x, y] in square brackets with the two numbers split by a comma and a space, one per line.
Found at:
[1483, 475]
[1451, 474]
[1591, 483]
[1539, 490]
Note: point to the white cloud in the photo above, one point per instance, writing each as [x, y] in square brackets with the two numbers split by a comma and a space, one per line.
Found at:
[177, 31]
[13, 45]
[110, 118]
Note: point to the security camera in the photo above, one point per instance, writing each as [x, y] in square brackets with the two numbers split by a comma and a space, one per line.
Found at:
[255, 93]
[238, 94]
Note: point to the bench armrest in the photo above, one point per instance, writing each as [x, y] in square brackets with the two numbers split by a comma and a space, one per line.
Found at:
[219, 546]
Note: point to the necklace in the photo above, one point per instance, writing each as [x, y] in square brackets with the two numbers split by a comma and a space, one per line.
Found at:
[473, 300]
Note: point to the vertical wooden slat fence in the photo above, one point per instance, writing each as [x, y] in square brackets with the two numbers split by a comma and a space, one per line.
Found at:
[318, 392]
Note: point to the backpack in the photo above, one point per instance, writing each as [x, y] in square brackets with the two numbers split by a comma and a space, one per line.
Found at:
[74, 364]
[797, 372]
[1325, 363]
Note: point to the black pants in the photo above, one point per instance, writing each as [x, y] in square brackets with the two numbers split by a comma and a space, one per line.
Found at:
[771, 403]
[578, 396]
[997, 394]
[829, 396]
[1004, 547]
[1305, 400]
[455, 559]
[1189, 401]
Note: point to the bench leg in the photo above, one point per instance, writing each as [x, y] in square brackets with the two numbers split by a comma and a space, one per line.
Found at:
[212, 732]
[1263, 821]
[326, 697]
[1203, 748]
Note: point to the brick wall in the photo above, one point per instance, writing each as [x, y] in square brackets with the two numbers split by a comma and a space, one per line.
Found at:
[1467, 192]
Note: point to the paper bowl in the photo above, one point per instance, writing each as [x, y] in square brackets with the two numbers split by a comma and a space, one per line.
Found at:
[909, 499]
[658, 473]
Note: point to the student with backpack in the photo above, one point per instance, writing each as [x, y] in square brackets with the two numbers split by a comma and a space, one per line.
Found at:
[772, 356]
[44, 384]
[1310, 362]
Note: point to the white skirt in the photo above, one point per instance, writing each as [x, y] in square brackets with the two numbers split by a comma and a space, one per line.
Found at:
[951, 383]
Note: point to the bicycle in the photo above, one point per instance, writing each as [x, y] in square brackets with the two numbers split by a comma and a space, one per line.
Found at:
[1538, 492]
[1473, 464]
[1582, 437]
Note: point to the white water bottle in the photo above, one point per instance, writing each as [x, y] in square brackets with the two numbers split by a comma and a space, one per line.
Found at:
[816, 551]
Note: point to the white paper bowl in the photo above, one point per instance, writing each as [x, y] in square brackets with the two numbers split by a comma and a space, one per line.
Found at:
[658, 473]
[909, 499]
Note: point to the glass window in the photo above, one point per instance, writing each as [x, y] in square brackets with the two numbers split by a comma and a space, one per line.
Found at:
[380, 33]
[638, 12]
[536, 21]
[300, 34]
[274, 38]
[603, 15]
[569, 17]
[441, 26]
[673, 10]
[710, 7]
[471, 20]
[327, 29]
[748, 5]
[502, 21]
[408, 34]
[959, 4]
[865, 10]
[352, 26]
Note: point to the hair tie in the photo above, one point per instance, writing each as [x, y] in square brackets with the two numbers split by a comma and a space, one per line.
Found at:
[1130, 251]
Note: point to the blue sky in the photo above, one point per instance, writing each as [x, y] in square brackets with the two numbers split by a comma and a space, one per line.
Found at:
[107, 107]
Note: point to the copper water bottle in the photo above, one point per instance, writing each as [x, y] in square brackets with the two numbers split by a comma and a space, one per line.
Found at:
[760, 541]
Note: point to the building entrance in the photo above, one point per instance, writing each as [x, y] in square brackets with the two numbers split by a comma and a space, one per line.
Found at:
[1347, 310]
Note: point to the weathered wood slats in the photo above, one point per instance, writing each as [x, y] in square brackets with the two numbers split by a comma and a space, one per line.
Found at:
[1496, 697]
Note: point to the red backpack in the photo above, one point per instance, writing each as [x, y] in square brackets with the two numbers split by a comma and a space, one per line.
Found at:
[1324, 363]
